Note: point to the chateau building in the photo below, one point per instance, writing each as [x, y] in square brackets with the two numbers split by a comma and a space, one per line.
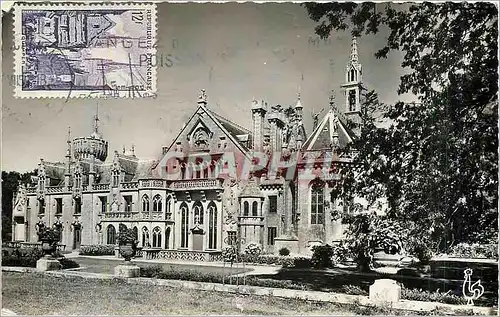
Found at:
[208, 190]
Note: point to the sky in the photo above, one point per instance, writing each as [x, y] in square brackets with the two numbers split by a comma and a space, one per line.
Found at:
[236, 52]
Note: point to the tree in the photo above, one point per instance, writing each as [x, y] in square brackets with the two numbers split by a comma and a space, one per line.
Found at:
[436, 163]
[10, 183]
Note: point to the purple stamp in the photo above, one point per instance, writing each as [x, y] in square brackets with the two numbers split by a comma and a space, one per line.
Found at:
[85, 50]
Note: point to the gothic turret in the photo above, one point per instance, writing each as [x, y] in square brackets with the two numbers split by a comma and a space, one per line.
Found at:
[93, 147]
[352, 86]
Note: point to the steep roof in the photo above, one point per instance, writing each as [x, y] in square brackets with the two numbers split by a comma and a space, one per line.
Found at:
[332, 125]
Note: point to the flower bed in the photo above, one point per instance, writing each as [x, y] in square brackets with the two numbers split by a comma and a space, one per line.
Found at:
[97, 249]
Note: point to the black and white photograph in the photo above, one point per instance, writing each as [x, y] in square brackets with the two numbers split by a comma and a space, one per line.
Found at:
[249, 158]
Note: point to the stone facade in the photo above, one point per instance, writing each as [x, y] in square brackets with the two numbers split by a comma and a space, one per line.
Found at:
[201, 195]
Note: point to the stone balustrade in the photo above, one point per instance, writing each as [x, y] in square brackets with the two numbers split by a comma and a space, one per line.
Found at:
[100, 187]
[152, 183]
[31, 190]
[197, 184]
[122, 215]
[55, 189]
[130, 185]
[183, 255]
[28, 245]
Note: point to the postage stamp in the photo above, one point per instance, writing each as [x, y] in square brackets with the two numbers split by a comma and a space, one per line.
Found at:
[85, 50]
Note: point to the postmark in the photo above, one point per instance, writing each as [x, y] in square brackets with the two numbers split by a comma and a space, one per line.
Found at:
[70, 50]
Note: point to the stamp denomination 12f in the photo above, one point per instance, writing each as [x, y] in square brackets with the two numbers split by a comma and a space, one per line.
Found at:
[92, 50]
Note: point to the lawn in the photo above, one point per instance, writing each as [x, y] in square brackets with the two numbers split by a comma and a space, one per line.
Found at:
[38, 294]
[108, 266]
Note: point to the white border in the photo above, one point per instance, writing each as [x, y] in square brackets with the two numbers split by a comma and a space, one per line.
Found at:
[18, 51]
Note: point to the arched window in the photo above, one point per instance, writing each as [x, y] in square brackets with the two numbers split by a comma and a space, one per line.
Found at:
[198, 213]
[352, 75]
[212, 226]
[145, 237]
[317, 203]
[145, 203]
[168, 213]
[136, 233]
[245, 208]
[78, 180]
[254, 208]
[157, 203]
[352, 100]
[184, 226]
[116, 179]
[167, 238]
[111, 235]
[157, 237]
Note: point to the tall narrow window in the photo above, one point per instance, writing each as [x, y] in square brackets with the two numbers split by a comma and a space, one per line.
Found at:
[246, 208]
[111, 234]
[352, 75]
[41, 206]
[157, 203]
[104, 203]
[198, 213]
[254, 209]
[168, 213]
[271, 235]
[78, 206]
[136, 233]
[157, 237]
[145, 238]
[212, 226]
[58, 206]
[184, 226]
[128, 202]
[317, 204]
[352, 100]
[273, 204]
[167, 238]
[145, 203]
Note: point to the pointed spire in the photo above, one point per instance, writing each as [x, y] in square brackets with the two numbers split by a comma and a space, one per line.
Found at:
[95, 130]
[354, 52]
[299, 104]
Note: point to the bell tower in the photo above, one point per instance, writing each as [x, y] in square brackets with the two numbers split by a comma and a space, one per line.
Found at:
[352, 86]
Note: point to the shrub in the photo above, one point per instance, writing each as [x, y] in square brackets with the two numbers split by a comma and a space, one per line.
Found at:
[284, 252]
[475, 250]
[229, 254]
[322, 256]
[23, 257]
[68, 263]
[97, 249]
[340, 253]
[28, 257]
[151, 271]
[302, 263]
[253, 249]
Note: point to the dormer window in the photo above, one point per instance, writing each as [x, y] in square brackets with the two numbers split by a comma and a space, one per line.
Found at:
[78, 180]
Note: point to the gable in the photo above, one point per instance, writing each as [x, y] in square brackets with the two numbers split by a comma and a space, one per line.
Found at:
[331, 126]
[206, 131]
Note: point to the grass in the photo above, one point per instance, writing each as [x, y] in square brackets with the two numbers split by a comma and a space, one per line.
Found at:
[64, 295]
[114, 297]
[107, 266]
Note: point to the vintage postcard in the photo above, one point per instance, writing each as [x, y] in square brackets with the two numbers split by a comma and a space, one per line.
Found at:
[92, 50]
[250, 158]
